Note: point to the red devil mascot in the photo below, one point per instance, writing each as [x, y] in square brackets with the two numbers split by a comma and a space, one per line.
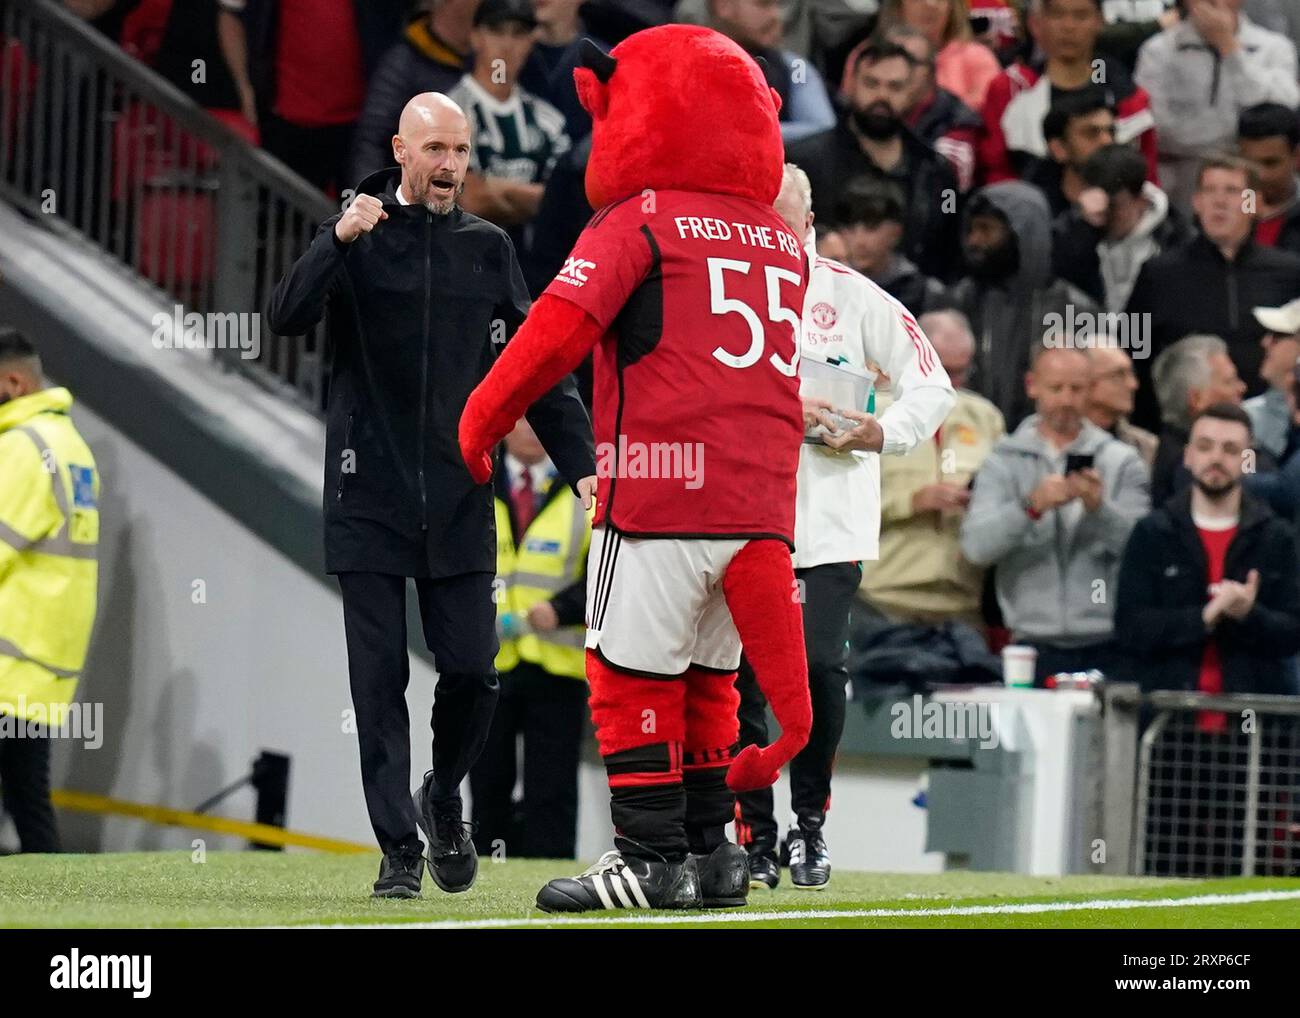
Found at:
[688, 287]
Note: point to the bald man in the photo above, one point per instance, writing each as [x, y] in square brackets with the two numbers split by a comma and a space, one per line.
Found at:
[1112, 383]
[418, 297]
[1051, 508]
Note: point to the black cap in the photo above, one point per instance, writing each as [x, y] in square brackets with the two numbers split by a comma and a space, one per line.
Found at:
[497, 12]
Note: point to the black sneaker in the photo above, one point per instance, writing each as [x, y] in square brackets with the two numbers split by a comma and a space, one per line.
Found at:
[724, 876]
[810, 860]
[764, 870]
[453, 863]
[618, 883]
[400, 874]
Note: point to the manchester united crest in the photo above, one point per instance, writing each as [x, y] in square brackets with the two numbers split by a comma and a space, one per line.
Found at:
[823, 315]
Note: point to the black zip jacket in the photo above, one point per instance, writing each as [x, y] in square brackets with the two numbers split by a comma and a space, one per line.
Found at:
[931, 239]
[416, 311]
[1162, 591]
[1193, 288]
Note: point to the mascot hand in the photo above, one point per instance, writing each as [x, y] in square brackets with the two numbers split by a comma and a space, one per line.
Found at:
[752, 770]
[477, 459]
[758, 768]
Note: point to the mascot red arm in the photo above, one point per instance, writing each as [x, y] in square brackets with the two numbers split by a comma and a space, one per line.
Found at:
[683, 114]
[552, 342]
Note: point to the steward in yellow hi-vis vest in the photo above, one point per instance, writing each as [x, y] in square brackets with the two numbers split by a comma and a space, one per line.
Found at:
[543, 534]
[49, 533]
[546, 563]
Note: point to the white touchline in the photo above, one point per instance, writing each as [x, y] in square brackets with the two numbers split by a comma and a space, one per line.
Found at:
[660, 919]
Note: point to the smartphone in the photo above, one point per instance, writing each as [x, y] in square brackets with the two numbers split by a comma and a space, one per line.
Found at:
[1076, 461]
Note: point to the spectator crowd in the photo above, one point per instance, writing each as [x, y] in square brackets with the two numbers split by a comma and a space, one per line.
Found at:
[1092, 208]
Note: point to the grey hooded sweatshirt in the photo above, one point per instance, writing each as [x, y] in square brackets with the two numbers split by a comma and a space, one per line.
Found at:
[1010, 315]
[1056, 575]
[1120, 260]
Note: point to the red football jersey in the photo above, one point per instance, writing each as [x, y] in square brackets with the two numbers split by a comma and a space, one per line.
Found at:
[698, 420]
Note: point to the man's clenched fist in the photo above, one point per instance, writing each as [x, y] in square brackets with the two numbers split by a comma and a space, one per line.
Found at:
[361, 217]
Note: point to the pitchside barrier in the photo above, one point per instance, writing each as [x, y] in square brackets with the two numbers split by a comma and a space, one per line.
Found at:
[1196, 785]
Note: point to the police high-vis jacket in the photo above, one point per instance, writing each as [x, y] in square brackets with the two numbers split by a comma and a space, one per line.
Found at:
[49, 533]
[848, 318]
[546, 563]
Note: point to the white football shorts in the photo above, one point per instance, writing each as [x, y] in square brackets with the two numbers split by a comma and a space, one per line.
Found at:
[655, 605]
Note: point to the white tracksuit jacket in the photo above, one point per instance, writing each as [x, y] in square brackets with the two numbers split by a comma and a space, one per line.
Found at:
[846, 315]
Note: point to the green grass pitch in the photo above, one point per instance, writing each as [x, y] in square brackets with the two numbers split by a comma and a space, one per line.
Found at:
[270, 889]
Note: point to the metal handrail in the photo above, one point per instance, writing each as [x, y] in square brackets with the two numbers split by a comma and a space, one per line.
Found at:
[1231, 703]
[96, 145]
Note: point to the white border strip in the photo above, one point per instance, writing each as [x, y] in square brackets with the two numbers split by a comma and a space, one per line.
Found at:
[662, 919]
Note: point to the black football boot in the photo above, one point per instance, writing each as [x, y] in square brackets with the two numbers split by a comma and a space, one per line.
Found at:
[631, 882]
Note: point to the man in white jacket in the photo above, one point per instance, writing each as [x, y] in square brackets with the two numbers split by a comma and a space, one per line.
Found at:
[847, 319]
[1200, 74]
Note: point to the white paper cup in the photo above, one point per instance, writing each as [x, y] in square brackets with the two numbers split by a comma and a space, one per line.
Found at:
[1018, 665]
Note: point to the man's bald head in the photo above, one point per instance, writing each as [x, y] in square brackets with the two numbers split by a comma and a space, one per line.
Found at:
[950, 334]
[432, 147]
[1112, 382]
[794, 201]
[430, 111]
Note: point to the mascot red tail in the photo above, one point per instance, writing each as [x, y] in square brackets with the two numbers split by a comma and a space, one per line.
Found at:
[687, 289]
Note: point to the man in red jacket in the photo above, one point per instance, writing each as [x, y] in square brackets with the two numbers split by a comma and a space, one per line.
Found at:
[1021, 96]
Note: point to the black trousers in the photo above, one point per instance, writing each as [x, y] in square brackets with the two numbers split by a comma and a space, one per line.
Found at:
[548, 710]
[828, 592]
[25, 785]
[459, 621]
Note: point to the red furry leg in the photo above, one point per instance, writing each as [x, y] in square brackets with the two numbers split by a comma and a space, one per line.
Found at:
[711, 734]
[640, 727]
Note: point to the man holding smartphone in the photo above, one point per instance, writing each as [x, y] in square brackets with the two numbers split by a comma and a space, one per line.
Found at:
[1052, 508]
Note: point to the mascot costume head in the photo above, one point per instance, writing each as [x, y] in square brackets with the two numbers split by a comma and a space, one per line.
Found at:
[682, 121]
[679, 108]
